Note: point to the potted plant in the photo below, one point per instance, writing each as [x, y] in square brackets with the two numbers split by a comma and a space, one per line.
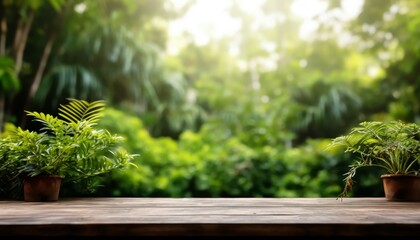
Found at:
[394, 147]
[68, 148]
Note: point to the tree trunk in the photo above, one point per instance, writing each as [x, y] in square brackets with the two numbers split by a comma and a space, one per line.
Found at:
[20, 40]
[3, 29]
[44, 59]
[18, 47]
[38, 76]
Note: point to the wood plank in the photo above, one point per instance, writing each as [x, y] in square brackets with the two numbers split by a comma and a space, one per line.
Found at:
[210, 216]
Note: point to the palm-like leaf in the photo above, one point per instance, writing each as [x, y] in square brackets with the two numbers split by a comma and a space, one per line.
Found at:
[80, 110]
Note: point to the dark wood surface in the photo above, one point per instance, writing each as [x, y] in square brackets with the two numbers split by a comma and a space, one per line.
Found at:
[210, 217]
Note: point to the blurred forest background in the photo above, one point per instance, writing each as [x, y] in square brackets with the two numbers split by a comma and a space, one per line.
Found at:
[245, 108]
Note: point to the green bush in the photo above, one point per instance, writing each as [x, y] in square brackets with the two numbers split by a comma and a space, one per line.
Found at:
[210, 163]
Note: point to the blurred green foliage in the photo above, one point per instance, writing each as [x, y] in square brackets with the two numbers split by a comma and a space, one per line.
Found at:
[207, 122]
[211, 164]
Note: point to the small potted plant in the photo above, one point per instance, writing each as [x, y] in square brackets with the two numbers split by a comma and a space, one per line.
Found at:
[393, 146]
[68, 148]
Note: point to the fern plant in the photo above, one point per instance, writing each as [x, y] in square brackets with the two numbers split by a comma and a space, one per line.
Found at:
[69, 146]
[393, 146]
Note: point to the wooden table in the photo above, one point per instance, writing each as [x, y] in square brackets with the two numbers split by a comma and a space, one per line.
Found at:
[210, 217]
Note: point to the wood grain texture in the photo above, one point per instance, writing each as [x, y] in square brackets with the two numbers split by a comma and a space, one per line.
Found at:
[210, 217]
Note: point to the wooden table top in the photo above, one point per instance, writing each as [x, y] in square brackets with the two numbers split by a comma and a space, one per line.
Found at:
[210, 217]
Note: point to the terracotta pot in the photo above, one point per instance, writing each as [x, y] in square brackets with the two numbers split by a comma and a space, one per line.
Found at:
[401, 187]
[41, 188]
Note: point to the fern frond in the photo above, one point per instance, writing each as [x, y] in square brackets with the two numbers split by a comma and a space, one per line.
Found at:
[48, 121]
[81, 110]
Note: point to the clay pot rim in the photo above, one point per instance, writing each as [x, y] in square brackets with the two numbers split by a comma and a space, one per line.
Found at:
[46, 176]
[389, 175]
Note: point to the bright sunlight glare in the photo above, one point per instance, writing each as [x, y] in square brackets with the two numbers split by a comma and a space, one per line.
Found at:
[205, 20]
[209, 19]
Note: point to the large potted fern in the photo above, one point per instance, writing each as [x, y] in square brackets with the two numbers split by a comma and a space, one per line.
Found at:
[394, 147]
[66, 148]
